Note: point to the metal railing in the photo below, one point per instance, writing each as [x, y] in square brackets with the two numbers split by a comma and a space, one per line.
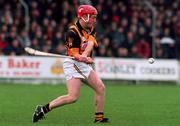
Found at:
[26, 18]
[153, 10]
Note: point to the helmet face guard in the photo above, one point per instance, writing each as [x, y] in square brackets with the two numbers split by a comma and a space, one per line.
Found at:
[86, 10]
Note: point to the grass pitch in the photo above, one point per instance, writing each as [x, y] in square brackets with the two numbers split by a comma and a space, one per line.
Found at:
[126, 105]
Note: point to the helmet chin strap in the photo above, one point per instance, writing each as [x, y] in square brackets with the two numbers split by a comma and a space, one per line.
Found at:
[87, 18]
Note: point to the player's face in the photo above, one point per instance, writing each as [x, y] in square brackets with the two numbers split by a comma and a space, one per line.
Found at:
[92, 21]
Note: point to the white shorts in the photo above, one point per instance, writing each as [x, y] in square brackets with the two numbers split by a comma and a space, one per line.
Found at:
[73, 68]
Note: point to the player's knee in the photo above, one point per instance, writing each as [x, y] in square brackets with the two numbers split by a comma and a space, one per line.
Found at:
[101, 88]
[73, 99]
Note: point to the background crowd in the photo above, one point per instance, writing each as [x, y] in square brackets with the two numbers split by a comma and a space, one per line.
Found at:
[124, 27]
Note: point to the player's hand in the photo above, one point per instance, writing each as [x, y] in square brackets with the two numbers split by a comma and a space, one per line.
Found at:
[89, 60]
[84, 59]
[80, 58]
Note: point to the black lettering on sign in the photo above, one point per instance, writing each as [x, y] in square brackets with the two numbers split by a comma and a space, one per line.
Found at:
[157, 71]
[117, 68]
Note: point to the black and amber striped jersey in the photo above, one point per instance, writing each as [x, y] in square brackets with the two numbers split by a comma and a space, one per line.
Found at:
[77, 39]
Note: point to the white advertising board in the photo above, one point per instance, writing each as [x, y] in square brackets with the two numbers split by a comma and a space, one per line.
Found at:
[136, 69]
[31, 67]
[107, 68]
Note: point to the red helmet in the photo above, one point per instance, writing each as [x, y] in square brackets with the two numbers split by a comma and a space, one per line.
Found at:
[86, 9]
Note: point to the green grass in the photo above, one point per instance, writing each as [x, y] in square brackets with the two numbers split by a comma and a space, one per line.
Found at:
[126, 105]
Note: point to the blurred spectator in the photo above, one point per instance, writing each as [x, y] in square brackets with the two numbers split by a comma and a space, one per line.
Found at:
[102, 51]
[160, 53]
[118, 36]
[14, 48]
[143, 48]
[35, 44]
[123, 52]
[60, 49]
[168, 44]
[129, 41]
[134, 52]
[24, 39]
[3, 43]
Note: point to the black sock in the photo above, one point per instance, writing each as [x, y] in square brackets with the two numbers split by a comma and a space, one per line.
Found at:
[99, 116]
[46, 108]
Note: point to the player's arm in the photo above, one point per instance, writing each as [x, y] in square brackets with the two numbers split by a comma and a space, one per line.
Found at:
[72, 43]
[91, 43]
[88, 49]
[87, 52]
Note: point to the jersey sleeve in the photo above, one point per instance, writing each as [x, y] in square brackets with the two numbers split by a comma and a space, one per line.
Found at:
[72, 39]
[72, 43]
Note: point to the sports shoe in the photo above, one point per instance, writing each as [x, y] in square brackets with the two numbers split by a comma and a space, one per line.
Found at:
[38, 114]
[103, 120]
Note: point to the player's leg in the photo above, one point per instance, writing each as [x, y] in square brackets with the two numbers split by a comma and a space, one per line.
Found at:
[96, 83]
[73, 87]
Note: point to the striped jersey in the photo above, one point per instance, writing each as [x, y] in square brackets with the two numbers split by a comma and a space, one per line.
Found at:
[77, 39]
